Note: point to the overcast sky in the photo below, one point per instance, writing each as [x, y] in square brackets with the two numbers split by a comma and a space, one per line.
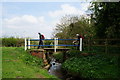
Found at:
[26, 19]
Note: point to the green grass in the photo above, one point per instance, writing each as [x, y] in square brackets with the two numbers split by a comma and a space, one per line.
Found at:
[0, 63]
[13, 65]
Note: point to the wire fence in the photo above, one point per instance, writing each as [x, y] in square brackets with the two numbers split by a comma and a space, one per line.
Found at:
[102, 45]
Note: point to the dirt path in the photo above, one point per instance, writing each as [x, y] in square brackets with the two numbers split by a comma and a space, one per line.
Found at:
[40, 76]
[11, 60]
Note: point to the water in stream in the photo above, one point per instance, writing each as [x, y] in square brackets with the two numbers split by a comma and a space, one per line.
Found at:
[55, 69]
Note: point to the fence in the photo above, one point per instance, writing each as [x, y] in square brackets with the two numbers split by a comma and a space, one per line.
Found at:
[102, 45]
[91, 45]
[56, 41]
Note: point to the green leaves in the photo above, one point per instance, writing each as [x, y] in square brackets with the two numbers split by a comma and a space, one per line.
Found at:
[58, 56]
[70, 25]
[92, 66]
[32, 60]
[12, 42]
[73, 53]
[106, 19]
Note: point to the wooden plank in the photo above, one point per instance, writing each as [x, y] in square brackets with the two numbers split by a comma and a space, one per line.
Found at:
[47, 49]
[103, 39]
[38, 50]
[105, 45]
[94, 45]
[57, 48]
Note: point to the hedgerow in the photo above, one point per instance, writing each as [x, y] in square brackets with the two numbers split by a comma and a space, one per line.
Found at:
[12, 42]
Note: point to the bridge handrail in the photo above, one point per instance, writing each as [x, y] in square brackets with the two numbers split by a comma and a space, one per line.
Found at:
[51, 39]
[27, 43]
[53, 45]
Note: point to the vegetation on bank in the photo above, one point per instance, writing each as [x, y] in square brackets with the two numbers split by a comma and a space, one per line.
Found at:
[17, 63]
[92, 66]
[58, 56]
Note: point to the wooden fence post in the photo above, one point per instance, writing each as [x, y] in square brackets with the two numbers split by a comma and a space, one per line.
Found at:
[88, 44]
[106, 43]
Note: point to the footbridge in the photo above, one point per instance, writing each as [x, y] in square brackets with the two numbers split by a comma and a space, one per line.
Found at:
[55, 46]
[44, 52]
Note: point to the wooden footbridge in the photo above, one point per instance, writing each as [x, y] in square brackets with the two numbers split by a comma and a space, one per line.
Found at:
[42, 53]
[56, 41]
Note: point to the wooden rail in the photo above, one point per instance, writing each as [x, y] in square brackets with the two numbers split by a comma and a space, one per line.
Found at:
[115, 43]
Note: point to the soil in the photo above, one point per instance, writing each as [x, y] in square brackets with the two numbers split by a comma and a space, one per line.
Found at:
[11, 60]
[39, 76]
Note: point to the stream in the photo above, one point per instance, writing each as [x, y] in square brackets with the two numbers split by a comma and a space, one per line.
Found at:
[55, 69]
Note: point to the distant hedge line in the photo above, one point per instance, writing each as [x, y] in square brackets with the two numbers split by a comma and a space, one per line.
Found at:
[11, 42]
[17, 42]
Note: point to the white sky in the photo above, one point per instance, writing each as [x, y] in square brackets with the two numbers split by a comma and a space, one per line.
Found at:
[26, 19]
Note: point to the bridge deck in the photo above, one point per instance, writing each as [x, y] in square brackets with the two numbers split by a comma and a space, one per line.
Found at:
[58, 49]
[50, 49]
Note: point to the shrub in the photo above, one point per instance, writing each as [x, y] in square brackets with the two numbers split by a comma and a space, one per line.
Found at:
[73, 53]
[32, 60]
[12, 42]
[58, 56]
[29, 59]
[97, 66]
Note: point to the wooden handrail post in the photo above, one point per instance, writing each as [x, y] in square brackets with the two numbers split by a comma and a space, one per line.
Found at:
[80, 46]
[54, 44]
[25, 44]
[29, 43]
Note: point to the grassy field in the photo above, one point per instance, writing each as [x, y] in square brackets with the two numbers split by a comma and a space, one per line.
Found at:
[0, 63]
[13, 65]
